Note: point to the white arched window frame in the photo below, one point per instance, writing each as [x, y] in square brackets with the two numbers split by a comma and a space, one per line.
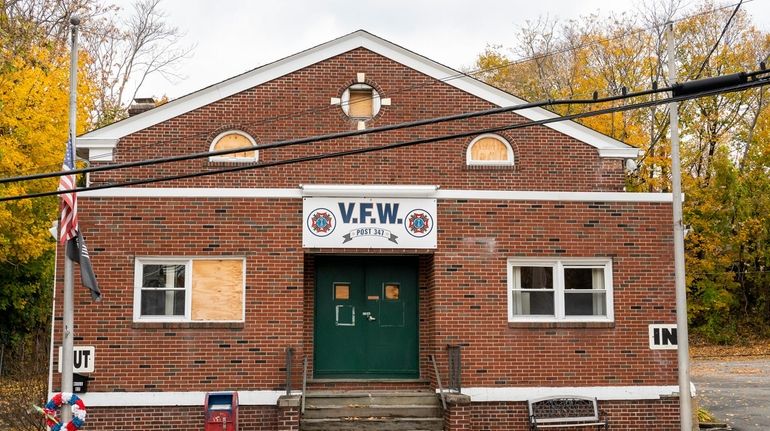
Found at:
[509, 152]
[376, 102]
[229, 157]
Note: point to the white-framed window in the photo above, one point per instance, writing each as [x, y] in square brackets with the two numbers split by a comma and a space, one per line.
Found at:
[554, 290]
[181, 289]
[489, 150]
[232, 139]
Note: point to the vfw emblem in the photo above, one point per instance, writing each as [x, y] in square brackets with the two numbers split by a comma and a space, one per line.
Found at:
[418, 223]
[321, 222]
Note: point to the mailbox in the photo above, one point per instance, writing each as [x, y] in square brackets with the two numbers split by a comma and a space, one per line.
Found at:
[220, 411]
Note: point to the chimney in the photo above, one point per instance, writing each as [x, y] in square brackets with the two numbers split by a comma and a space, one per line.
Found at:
[140, 105]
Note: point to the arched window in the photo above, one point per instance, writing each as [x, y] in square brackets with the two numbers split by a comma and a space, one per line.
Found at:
[489, 150]
[234, 139]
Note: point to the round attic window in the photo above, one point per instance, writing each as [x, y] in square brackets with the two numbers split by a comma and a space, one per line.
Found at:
[360, 101]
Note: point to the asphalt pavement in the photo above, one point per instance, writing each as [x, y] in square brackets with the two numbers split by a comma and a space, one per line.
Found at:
[736, 391]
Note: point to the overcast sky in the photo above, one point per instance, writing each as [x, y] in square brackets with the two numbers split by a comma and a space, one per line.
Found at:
[233, 36]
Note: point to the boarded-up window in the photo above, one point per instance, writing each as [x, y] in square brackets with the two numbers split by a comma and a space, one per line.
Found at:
[360, 101]
[217, 289]
[231, 140]
[489, 150]
[341, 291]
[184, 289]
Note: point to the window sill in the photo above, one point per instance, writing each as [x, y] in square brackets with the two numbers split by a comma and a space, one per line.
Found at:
[554, 325]
[225, 163]
[471, 167]
[187, 325]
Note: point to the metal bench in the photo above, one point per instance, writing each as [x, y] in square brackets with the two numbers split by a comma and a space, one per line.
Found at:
[566, 411]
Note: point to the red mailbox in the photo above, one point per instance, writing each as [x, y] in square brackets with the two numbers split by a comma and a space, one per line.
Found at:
[221, 411]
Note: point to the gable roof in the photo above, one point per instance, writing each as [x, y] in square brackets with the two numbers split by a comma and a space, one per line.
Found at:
[103, 140]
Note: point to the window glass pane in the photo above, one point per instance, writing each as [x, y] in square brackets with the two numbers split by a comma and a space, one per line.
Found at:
[533, 303]
[162, 302]
[583, 278]
[536, 277]
[163, 276]
[585, 303]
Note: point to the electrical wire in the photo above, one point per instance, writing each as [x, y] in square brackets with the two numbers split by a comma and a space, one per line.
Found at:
[719, 39]
[416, 86]
[744, 86]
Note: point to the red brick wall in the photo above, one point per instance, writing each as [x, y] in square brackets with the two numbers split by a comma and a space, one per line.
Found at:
[147, 357]
[297, 106]
[658, 415]
[475, 241]
[251, 418]
[463, 293]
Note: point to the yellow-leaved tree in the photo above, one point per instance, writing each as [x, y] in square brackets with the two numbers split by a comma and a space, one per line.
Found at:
[34, 88]
[725, 139]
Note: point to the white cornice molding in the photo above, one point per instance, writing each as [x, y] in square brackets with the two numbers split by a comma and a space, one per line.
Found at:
[369, 191]
[359, 39]
[171, 399]
[477, 394]
[600, 392]
[374, 191]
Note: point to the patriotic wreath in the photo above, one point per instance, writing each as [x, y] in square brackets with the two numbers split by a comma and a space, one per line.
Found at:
[78, 412]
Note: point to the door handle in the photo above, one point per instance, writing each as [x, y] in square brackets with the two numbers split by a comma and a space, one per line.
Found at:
[368, 315]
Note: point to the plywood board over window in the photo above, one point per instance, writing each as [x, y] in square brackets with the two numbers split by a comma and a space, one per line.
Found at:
[217, 289]
[489, 149]
[361, 103]
[232, 141]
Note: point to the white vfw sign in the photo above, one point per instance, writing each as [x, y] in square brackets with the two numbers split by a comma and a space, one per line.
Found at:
[369, 223]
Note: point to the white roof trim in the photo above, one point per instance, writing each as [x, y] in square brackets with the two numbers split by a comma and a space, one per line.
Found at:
[373, 191]
[369, 191]
[164, 399]
[358, 39]
[493, 394]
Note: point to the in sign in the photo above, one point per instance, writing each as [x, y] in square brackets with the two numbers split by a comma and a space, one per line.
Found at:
[663, 337]
[83, 359]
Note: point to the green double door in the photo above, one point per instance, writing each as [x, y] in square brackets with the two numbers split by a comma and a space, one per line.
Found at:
[366, 318]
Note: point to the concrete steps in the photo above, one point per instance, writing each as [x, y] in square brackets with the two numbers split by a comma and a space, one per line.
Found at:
[372, 411]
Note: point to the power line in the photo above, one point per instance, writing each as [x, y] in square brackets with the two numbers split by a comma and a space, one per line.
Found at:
[683, 96]
[441, 80]
[721, 35]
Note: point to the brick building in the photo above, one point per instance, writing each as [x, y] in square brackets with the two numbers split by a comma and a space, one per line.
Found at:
[517, 253]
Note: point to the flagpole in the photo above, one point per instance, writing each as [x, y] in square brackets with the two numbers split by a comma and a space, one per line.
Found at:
[68, 314]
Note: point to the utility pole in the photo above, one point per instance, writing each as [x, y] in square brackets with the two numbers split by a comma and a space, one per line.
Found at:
[68, 312]
[683, 350]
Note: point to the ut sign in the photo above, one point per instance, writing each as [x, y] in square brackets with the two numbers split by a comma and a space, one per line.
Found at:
[663, 337]
[83, 359]
[368, 223]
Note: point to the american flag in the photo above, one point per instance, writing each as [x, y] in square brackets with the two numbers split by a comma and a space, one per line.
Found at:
[68, 223]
